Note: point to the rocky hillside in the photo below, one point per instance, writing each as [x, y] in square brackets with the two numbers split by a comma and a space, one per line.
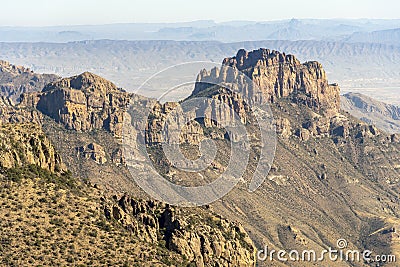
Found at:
[384, 116]
[333, 177]
[52, 221]
[50, 218]
[16, 80]
[26, 144]
[200, 236]
[9, 112]
[331, 171]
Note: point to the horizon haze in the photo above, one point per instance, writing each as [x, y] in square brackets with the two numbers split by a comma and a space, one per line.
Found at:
[91, 12]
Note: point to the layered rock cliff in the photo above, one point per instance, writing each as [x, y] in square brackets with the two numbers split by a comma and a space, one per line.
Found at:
[276, 75]
[10, 113]
[26, 144]
[16, 80]
[199, 235]
[166, 125]
[83, 103]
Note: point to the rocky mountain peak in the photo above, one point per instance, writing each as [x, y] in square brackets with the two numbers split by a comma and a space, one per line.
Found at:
[277, 75]
[86, 81]
[261, 57]
[6, 66]
[84, 102]
[16, 80]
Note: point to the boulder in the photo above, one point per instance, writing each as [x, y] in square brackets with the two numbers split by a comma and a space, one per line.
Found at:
[94, 152]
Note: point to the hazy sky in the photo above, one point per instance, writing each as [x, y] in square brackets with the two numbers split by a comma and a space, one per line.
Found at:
[59, 12]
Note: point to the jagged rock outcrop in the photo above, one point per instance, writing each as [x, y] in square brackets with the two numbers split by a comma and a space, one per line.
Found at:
[395, 138]
[117, 157]
[202, 237]
[320, 126]
[230, 95]
[94, 152]
[7, 109]
[25, 144]
[365, 130]
[277, 75]
[83, 103]
[283, 127]
[9, 113]
[303, 134]
[165, 124]
[16, 80]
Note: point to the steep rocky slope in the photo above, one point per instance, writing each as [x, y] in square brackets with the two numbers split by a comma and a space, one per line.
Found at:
[26, 144]
[331, 171]
[384, 116]
[50, 218]
[9, 112]
[333, 175]
[16, 80]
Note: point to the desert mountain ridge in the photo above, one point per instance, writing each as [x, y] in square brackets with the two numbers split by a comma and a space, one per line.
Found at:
[384, 116]
[345, 30]
[331, 170]
[52, 218]
[89, 222]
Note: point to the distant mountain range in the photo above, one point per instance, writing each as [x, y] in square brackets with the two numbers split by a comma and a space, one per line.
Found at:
[390, 36]
[359, 54]
[371, 111]
[234, 31]
[354, 66]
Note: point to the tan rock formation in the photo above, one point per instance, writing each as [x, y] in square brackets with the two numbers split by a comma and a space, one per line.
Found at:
[277, 75]
[9, 113]
[25, 144]
[167, 124]
[94, 152]
[201, 236]
[83, 103]
[16, 80]
[283, 127]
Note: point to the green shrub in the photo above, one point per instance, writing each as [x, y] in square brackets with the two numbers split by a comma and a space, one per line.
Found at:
[17, 174]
